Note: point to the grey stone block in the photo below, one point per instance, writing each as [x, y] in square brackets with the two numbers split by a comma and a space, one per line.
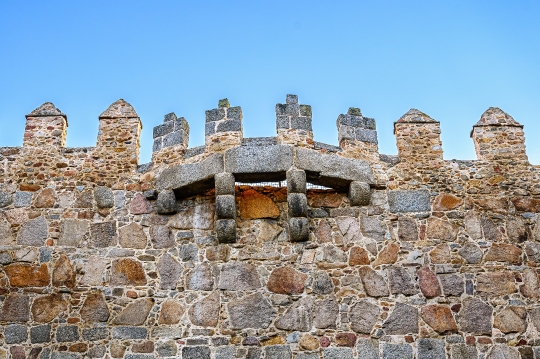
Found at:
[198, 352]
[175, 138]
[181, 124]
[166, 202]
[346, 133]
[303, 355]
[40, 334]
[139, 356]
[228, 352]
[67, 333]
[463, 351]
[15, 334]
[283, 122]
[292, 109]
[224, 183]
[145, 167]
[191, 152]
[226, 230]
[151, 194]
[305, 110]
[158, 144]
[259, 159]
[430, 348]
[102, 234]
[330, 165]
[326, 147]
[5, 199]
[292, 99]
[367, 348]
[370, 123]
[33, 232]
[65, 355]
[338, 353]
[409, 201]
[226, 207]
[45, 354]
[5, 258]
[234, 113]
[95, 334]
[163, 129]
[396, 351]
[254, 353]
[359, 193]
[301, 123]
[278, 352]
[23, 199]
[281, 109]
[166, 349]
[215, 114]
[189, 174]
[169, 117]
[366, 135]
[104, 197]
[209, 128]
[129, 333]
[298, 205]
[296, 181]
[97, 351]
[298, 229]
[229, 126]
[260, 141]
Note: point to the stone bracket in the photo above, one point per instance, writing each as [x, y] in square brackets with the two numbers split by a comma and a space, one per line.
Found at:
[225, 225]
[359, 193]
[298, 205]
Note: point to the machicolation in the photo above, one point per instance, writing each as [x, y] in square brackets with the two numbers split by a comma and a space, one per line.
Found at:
[268, 248]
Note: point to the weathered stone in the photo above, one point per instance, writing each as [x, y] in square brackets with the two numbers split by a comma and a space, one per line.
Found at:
[27, 275]
[171, 312]
[463, 351]
[446, 202]
[532, 249]
[135, 313]
[441, 229]
[238, 276]
[298, 316]
[517, 230]
[297, 204]
[475, 317]
[258, 159]
[255, 205]
[84, 200]
[503, 352]
[374, 283]
[17, 352]
[94, 309]
[338, 353]
[226, 230]
[67, 333]
[326, 200]
[129, 333]
[40, 334]
[95, 334]
[228, 352]
[225, 207]
[358, 256]
[326, 314]
[396, 351]
[48, 307]
[407, 229]
[253, 311]
[471, 253]
[132, 236]
[126, 271]
[5, 199]
[403, 320]
[33, 232]
[224, 183]
[388, 255]
[495, 283]
[205, 312]
[429, 348]
[531, 284]
[15, 334]
[139, 205]
[401, 281]
[102, 234]
[73, 232]
[197, 352]
[104, 197]
[166, 202]
[45, 199]
[191, 174]
[512, 319]
[117, 350]
[440, 254]
[308, 342]
[439, 317]
[161, 237]
[502, 252]
[367, 348]
[166, 349]
[189, 252]
[526, 204]
[359, 193]
[409, 201]
[200, 278]
[97, 351]
[22, 199]
[322, 283]
[452, 284]
[363, 316]
[193, 216]
[429, 285]
[473, 225]
[286, 280]
[63, 274]
[490, 230]
[169, 272]
[6, 236]
[296, 181]
[299, 229]
[93, 271]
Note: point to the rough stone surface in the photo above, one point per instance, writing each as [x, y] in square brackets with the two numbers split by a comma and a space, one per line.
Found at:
[63, 274]
[286, 280]
[238, 276]
[104, 197]
[102, 234]
[48, 307]
[205, 313]
[409, 201]
[135, 313]
[430, 348]
[298, 317]
[169, 272]
[255, 205]
[396, 351]
[161, 237]
[439, 317]
[363, 316]
[475, 317]
[73, 232]
[27, 275]
[166, 202]
[403, 320]
[374, 283]
[200, 278]
[325, 315]
[428, 282]
[127, 271]
[132, 236]
[95, 308]
[33, 232]
[253, 311]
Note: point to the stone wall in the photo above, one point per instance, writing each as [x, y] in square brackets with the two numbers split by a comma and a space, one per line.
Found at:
[408, 256]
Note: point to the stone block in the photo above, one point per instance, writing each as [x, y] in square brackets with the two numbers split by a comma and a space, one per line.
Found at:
[162, 130]
[157, 145]
[296, 181]
[364, 135]
[359, 193]
[33, 232]
[333, 166]
[253, 311]
[239, 276]
[16, 308]
[215, 114]
[224, 184]
[226, 230]
[402, 321]
[299, 229]
[103, 234]
[23, 199]
[209, 128]
[95, 334]
[430, 348]
[40, 334]
[72, 232]
[229, 126]
[278, 352]
[367, 348]
[175, 138]
[166, 202]
[15, 334]
[5, 199]
[298, 206]
[225, 207]
[67, 333]
[283, 122]
[301, 123]
[65, 355]
[409, 201]
[338, 353]
[104, 197]
[129, 333]
[291, 99]
[397, 351]
[258, 159]
[188, 174]
[166, 349]
[196, 352]
[463, 351]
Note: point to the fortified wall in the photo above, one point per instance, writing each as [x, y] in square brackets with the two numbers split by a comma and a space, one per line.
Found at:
[273, 248]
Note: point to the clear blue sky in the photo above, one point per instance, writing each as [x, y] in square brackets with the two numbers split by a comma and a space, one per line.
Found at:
[450, 59]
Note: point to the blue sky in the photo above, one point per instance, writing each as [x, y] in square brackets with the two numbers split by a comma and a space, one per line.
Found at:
[450, 59]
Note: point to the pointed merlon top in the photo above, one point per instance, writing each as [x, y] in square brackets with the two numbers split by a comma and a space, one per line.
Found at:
[415, 116]
[48, 109]
[119, 109]
[494, 116]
